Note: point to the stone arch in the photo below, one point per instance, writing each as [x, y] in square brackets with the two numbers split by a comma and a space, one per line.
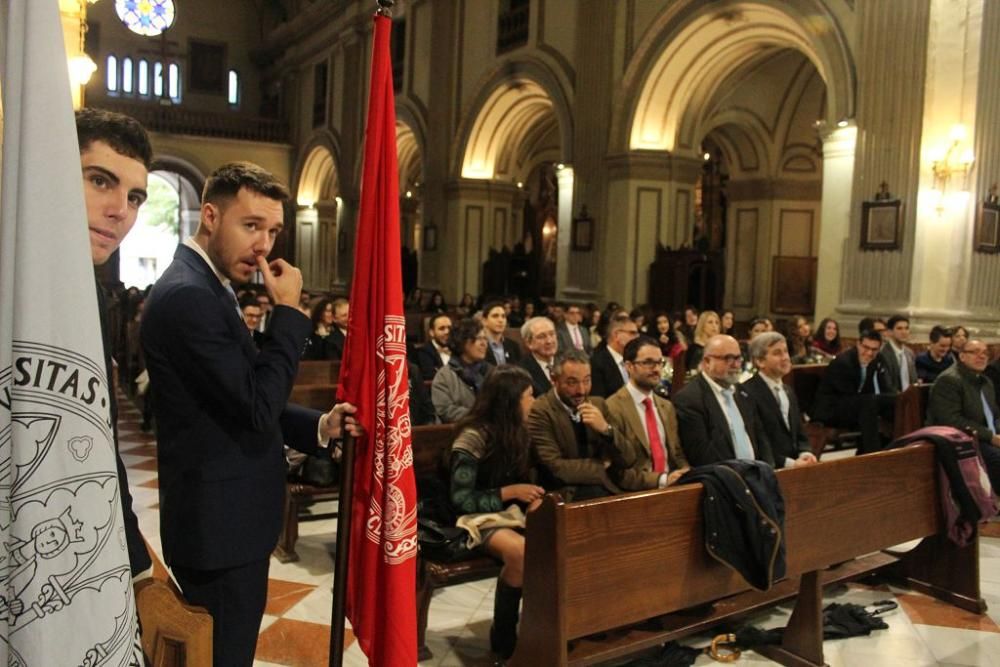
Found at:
[317, 174]
[693, 47]
[515, 100]
[410, 156]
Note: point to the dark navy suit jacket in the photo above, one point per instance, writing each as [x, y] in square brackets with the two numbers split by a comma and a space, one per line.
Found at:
[222, 415]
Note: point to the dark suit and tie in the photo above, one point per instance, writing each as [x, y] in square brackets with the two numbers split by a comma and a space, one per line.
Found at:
[221, 420]
[575, 338]
[780, 417]
[705, 431]
[608, 376]
[852, 396]
[899, 375]
[540, 381]
[429, 359]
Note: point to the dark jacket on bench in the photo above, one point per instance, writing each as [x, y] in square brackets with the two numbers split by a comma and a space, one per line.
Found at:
[744, 531]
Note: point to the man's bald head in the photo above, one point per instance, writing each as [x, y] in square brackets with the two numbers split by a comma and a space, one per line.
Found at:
[722, 360]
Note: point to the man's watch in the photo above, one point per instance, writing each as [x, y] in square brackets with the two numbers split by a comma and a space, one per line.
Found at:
[609, 431]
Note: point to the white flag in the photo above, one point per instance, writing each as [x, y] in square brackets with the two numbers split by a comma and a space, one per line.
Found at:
[65, 585]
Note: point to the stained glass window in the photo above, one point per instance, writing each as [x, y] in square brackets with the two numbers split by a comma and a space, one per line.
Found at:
[146, 17]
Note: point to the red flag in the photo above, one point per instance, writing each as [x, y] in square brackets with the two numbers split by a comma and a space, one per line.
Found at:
[381, 589]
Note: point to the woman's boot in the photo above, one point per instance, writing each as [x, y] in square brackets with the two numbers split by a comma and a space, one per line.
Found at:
[506, 611]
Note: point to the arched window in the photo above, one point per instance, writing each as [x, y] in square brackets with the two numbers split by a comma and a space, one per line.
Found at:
[127, 76]
[234, 88]
[158, 79]
[143, 75]
[174, 82]
[111, 74]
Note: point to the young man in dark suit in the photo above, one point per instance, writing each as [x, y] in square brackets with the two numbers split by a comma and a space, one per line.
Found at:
[115, 154]
[776, 403]
[221, 405]
[716, 418]
[856, 392]
[434, 354]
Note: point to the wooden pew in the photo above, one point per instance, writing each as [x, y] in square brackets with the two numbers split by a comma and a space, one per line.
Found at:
[318, 372]
[603, 566]
[804, 381]
[430, 447]
[911, 409]
[174, 634]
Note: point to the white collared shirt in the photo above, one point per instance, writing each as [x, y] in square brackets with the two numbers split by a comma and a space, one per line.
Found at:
[191, 243]
[619, 363]
[546, 365]
[442, 351]
[718, 391]
[777, 385]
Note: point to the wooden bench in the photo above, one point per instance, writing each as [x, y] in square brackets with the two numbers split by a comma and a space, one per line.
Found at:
[634, 568]
[430, 447]
[804, 381]
[911, 409]
[318, 372]
[174, 634]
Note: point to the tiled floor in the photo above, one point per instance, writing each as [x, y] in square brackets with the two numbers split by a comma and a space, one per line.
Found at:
[295, 630]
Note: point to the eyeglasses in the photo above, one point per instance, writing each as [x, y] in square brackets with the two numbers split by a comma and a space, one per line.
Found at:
[650, 363]
[873, 350]
[728, 358]
[629, 332]
[975, 353]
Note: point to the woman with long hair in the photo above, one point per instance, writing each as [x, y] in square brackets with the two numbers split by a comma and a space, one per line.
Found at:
[665, 335]
[798, 336]
[490, 470]
[708, 325]
[317, 345]
[727, 322]
[827, 337]
[436, 303]
[959, 337]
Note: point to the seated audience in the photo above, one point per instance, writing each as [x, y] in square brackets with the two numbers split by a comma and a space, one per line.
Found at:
[670, 345]
[436, 303]
[708, 325]
[897, 357]
[571, 332]
[434, 354]
[689, 324]
[649, 455]
[638, 315]
[338, 334]
[490, 470]
[959, 336]
[539, 336]
[607, 363]
[799, 341]
[319, 346]
[727, 322]
[456, 384]
[251, 317]
[502, 350]
[876, 324]
[467, 306]
[716, 419]
[776, 403]
[853, 394]
[421, 406]
[826, 340]
[937, 357]
[759, 325]
[570, 433]
[596, 332]
[414, 300]
[264, 301]
[963, 397]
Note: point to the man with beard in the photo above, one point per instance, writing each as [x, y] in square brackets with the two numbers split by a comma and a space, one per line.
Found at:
[650, 454]
[717, 420]
[570, 434]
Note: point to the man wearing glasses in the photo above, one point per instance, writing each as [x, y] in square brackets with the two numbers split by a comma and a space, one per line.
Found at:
[650, 454]
[964, 398]
[855, 392]
[716, 418]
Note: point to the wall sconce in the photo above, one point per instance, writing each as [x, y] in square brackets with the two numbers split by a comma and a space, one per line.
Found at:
[954, 161]
[81, 68]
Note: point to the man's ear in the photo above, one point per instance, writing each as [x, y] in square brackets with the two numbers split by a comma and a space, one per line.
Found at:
[211, 216]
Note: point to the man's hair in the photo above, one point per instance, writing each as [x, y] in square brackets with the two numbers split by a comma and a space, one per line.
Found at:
[632, 348]
[896, 319]
[338, 302]
[938, 332]
[868, 324]
[225, 183]
[434, 318]
[870, 334]
[249, 300]
[526, 333]
[124, 134]
[490, 305]
[761, 344]
[617, 321]
[755, 321]
[574, 355]
[464, 331]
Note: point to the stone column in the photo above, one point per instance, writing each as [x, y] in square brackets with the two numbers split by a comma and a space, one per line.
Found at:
[835, 216]
[564, 178]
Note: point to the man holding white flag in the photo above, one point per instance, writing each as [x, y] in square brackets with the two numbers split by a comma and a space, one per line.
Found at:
[65, 584]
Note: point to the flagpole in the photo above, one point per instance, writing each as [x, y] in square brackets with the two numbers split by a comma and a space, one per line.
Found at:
[344, 502]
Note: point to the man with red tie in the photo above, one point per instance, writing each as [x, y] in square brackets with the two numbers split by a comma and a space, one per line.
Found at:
[650, 454]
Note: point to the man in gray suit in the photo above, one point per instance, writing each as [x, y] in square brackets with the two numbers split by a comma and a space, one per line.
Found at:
[900, 363]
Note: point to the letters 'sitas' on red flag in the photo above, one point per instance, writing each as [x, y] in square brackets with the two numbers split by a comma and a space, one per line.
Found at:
[381, 586]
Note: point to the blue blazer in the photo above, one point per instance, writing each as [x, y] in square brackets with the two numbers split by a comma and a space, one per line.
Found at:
[221, 416]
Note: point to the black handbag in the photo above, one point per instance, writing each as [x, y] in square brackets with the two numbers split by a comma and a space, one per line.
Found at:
[441, 543]
[320, 470]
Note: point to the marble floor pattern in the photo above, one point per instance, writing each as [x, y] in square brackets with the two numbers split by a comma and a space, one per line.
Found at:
[295, 630]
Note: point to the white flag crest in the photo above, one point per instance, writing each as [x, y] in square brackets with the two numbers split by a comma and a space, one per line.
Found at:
[65, 585]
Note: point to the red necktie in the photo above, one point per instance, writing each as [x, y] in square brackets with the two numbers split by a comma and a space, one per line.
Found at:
[655, 446]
